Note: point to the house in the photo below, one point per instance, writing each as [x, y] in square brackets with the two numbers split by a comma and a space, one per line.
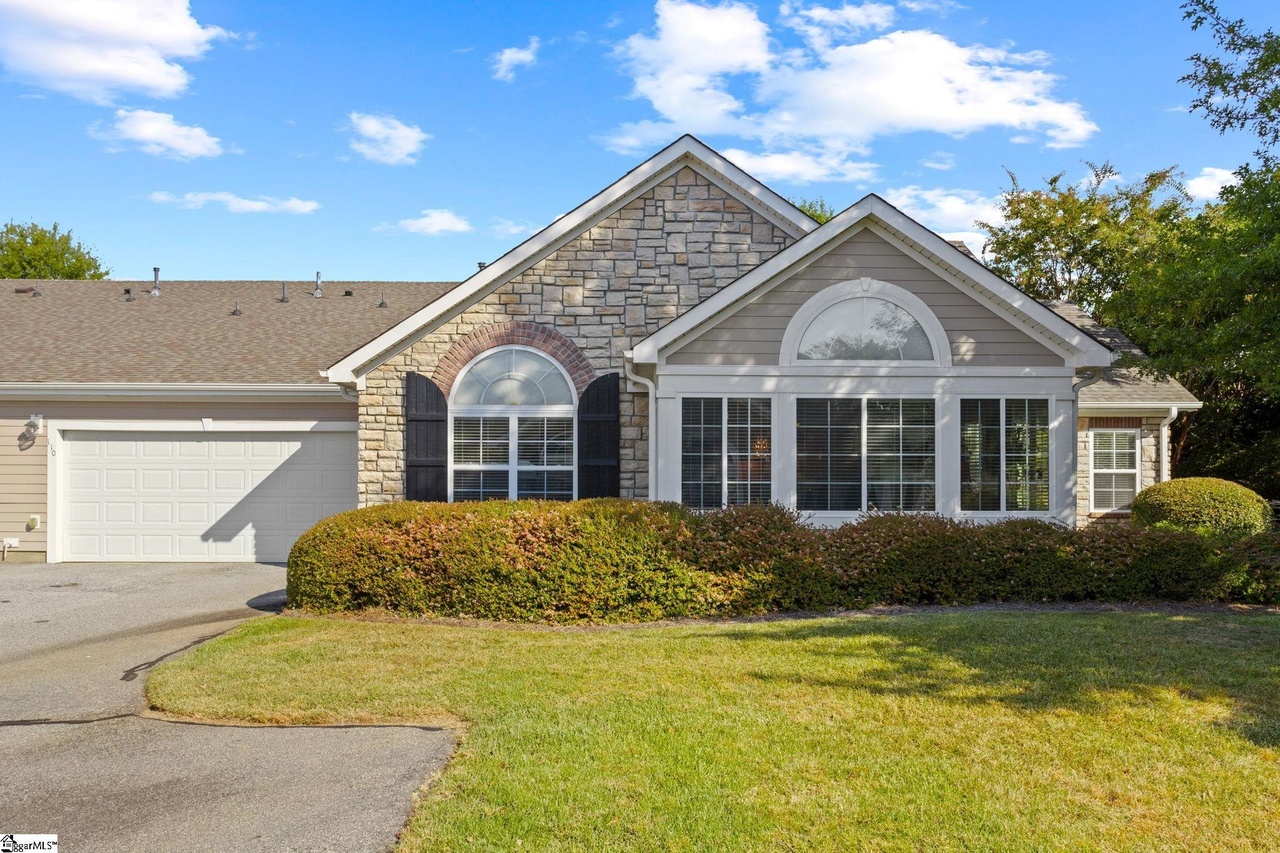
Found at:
[686, 334]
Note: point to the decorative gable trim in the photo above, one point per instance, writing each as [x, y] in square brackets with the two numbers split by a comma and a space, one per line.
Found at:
[517, 333]
[685, 151]
[874, 213]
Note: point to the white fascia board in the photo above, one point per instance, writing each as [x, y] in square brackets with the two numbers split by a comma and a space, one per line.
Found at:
[687, 150]
[166, 391]
[1026, 314]
[1091, 352]
[1136, 409]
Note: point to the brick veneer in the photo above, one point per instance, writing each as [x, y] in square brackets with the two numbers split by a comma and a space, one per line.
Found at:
[519, 333]
[604, 290]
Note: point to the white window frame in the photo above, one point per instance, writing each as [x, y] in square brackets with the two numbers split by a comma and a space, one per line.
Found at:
[724, 443]
[513, 415]
[1136, 471]
[1004, 477]
[789, 355]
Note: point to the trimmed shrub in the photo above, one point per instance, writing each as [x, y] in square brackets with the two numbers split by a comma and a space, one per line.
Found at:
[905, 559]
[588, 561]
[1252, 571]
[1203, 505]
[763, 557]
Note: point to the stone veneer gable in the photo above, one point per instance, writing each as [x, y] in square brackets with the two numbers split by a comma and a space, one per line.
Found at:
[606, 289]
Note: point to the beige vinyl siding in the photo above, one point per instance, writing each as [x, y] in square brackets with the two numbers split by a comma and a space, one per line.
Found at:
[978, 336]
[24, 490]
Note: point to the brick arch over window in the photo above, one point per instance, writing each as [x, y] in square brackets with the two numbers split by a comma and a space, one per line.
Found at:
[538, 337]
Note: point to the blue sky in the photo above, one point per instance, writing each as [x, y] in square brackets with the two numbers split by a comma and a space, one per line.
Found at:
[408, 140]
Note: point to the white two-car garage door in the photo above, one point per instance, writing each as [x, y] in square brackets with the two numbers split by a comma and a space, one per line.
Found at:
[198, 496]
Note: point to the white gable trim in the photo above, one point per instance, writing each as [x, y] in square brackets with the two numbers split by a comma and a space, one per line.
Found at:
[685, 151]
[1041, 323]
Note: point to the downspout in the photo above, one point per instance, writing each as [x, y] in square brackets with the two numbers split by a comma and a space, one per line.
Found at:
[1164, 442]
[1090, 378]
[628, 368]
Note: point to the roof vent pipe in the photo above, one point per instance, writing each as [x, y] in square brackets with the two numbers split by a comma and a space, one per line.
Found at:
[128, 294]
[482, 264]
[383, 303]
[284, 291]
[35, 291]
[155, 286]
[237, 312]
[318, 292]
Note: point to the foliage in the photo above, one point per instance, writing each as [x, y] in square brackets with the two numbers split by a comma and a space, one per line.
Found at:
[33, 251]
[1254, 575]
[587, 561]
[1081, 242]
[1203, 505]
[817, 208]
[953, 730]
[624, 561]
[1236, 436]
[1241, 92]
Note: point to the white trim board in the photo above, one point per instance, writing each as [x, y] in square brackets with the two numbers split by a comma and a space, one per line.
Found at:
[166, 390]
[685, 151]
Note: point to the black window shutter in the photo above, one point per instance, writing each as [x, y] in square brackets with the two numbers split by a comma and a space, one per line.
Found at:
[599, 437]
[426, 440]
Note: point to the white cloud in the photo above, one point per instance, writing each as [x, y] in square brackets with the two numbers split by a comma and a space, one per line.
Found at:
[820, 24]
[943, 161]
[1210, 181]
[717, 70]
[800, 167]
[237, 204]
[386, 139]
[94, 49]
[159, 134]
[941, 7]
[511, 228]
[505, 62]
[951, 213]
[435, 222]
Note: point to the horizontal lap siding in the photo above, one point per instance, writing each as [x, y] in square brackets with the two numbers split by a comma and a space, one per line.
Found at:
[978, 337]
[23, 489]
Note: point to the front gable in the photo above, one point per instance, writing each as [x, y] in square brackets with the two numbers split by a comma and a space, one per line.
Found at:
[639, 229]
[752, 335]
[988, 322]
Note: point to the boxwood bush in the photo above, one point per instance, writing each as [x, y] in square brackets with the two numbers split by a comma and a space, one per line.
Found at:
[623, 561]
[1204, 505]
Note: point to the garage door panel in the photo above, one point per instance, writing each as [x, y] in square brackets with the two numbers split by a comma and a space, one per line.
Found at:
[202, 496]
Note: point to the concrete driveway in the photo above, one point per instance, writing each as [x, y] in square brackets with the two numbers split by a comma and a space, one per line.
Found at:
[76, 642]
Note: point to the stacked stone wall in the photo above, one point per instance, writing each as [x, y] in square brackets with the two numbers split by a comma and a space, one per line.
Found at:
[605, 290]
[1148, 464]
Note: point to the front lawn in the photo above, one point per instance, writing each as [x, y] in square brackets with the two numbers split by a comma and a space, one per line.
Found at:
[972, 729]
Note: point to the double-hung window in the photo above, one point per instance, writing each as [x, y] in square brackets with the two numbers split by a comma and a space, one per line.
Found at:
[512, 420]
[726, 454]
[1004, 455]
[1113, 469]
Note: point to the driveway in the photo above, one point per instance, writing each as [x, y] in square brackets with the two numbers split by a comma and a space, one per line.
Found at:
[76, 642]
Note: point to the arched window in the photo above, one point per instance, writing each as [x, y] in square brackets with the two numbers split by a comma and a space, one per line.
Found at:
[865, 322]
[512, 428]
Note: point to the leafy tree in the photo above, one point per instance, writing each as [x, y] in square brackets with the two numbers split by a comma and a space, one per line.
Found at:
[817, 208]
[1242, 91]
[33, 251]
[1081, 242]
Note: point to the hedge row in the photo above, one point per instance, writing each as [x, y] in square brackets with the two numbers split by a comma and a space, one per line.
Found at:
[625, 561]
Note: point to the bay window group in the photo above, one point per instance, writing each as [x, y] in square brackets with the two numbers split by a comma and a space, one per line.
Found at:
[866, 454]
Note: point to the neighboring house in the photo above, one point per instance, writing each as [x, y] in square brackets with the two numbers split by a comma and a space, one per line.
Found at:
[686, 335]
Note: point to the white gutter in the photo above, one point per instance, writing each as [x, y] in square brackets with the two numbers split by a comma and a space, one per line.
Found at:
[1164, 442]
[628, 368]
[1090, 378]
[168, 390]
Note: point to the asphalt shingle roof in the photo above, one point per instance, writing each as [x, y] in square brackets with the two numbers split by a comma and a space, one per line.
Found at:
[85, 331]
[1121, 384]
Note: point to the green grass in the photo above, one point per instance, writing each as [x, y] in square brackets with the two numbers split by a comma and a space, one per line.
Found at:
[965, 729]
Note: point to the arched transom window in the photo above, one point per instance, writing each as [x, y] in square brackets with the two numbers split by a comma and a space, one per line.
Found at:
[865, 329]
[512, 428]
[865, 322]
